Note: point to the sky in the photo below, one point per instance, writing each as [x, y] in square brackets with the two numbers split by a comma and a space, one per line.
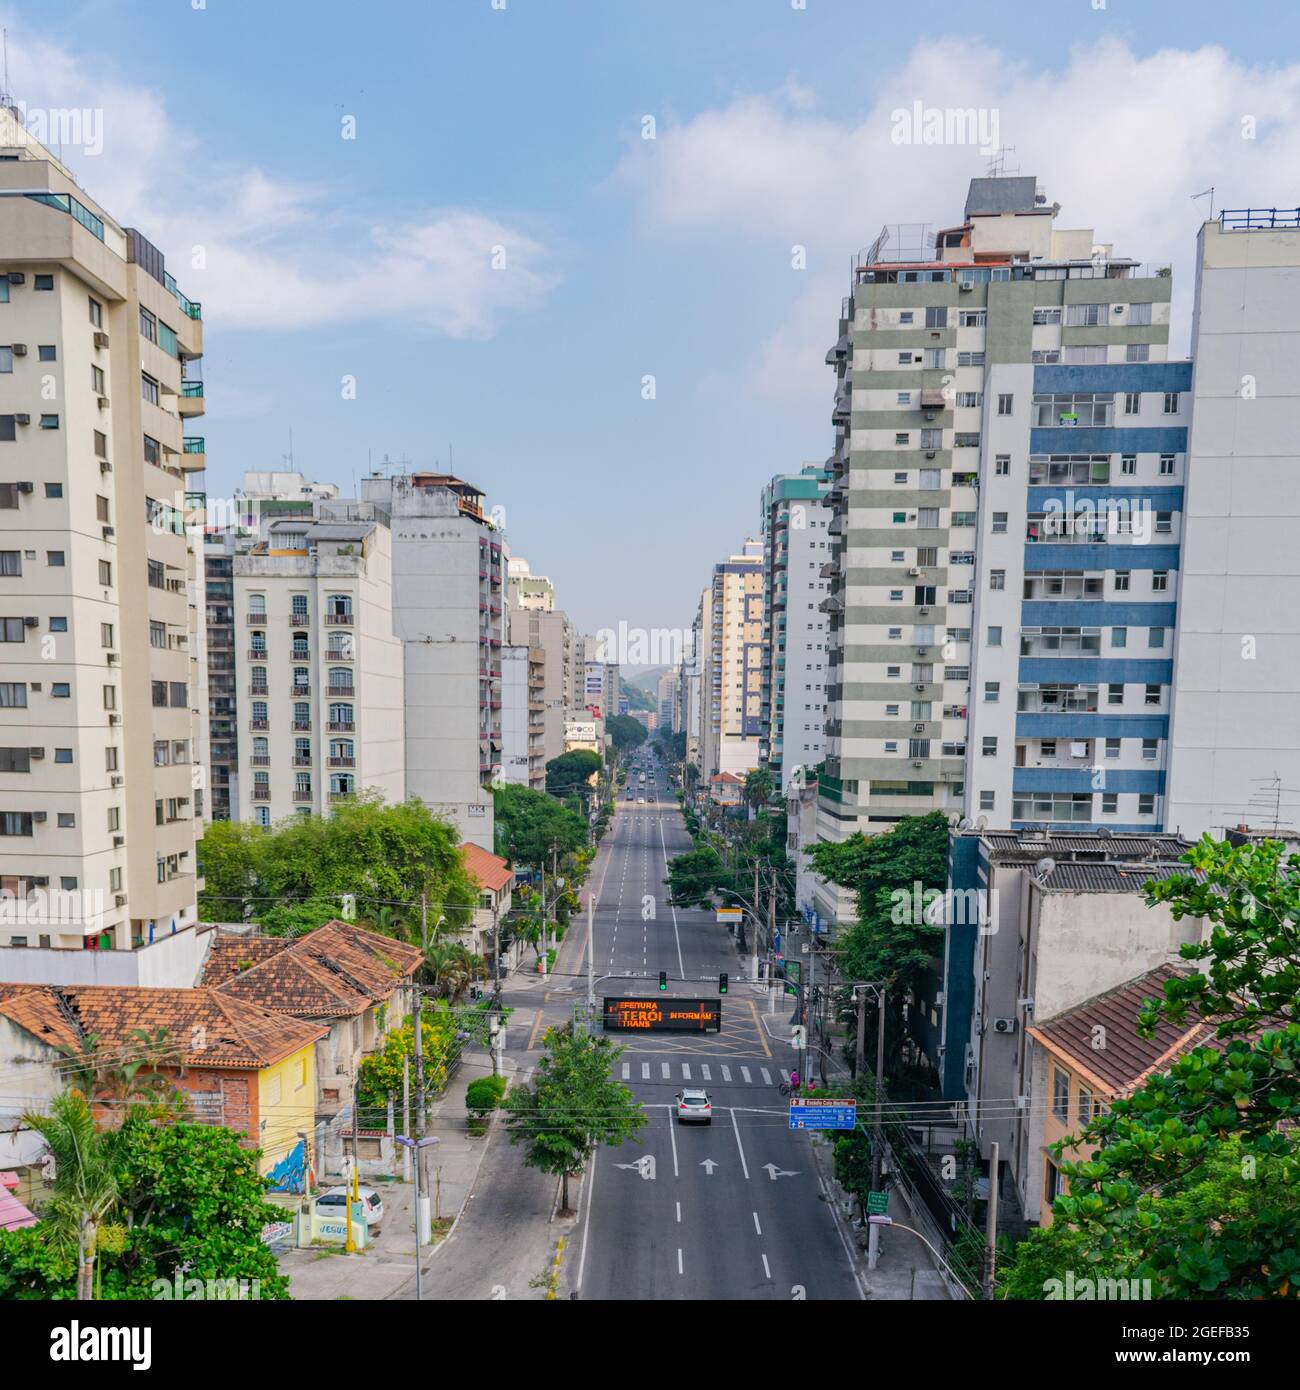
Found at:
[589, 254]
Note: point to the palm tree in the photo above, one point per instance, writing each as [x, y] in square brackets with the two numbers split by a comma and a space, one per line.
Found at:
[759, 785]
[85, 1178]
[451, 967]
[115, 1084]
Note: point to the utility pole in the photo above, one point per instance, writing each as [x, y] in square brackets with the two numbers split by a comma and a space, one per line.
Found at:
[877, 1141]
[421, 1203]
[771, 922]
[406, 1116]
[991, 1226]
[591, 959]
[496, 947]
[356, 1125]
[860, 1049]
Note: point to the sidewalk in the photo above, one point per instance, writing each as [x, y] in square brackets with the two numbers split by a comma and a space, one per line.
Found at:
[388, 1265]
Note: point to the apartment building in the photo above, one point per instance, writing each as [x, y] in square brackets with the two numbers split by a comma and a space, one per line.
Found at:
[318, 669]
[529, 592]
[449, 586]
[796, 567]
[547, 633]
[731, 687]
[102, 699]
[600, 680]
[1234, 733]
[666, 694]
[514, 715]
[984, 376]
[693, 683]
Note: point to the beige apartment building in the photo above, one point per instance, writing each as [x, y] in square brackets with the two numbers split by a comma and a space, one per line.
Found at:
[102, 701]
[731, 693]
[318, 669]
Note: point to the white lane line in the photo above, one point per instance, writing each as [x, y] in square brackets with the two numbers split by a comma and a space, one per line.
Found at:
[667, 1073]
[627, 1070]
[744, 1167]
[645, 1071]
[679, 1211]
[705, 1072]
[726, 1074]
[672, 1134]
[686, 1071]
[767, 1076]
[744, 1071]
[758, 1229]
[681, 969]
[588, 1187]
[766, 1270]
[679, 1259]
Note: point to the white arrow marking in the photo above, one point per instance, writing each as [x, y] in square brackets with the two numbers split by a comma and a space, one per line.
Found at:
[708, 1164]
[774, 1172]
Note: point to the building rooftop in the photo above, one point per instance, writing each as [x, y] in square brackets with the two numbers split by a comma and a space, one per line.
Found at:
[1126, 1060]
[987, 197]
[1096, 845]
[487, 870]
[1122, 877]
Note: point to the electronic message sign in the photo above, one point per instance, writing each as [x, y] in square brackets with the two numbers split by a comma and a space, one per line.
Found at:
[663, 1014]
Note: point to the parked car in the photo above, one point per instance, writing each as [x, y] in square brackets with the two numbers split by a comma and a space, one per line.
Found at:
[694, 1106]
[336, 1199]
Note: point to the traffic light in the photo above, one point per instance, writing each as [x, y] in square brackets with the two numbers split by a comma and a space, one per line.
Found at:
[722, 983]
[663, 979]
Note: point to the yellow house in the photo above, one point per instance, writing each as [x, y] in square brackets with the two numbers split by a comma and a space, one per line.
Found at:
[1080, 1061]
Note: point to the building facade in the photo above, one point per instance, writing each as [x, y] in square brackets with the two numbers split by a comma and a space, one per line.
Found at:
[103, 701]
[731, 687]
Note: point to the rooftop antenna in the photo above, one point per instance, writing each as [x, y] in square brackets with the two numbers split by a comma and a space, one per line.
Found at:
[1206, 193]
[998, 162]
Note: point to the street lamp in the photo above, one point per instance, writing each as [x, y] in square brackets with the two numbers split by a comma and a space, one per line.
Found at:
[889, 1221]
[421, 1217]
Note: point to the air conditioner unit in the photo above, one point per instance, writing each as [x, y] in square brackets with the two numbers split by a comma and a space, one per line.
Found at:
[923, 610]
[1004, 1025]
[31, 622]
[114, 718]
[965, 287]
[112, 658]
[115, 781]
[101, 340]
[119, 841]
[1026, 1005]
[105, 466]
[929, 414]
[25, 487]
[920, 685]
[923, 651]
[918, 728]
[20, 349]
[36, 752]
[913, 573]
[109, 533]
[22, 419]
[42, 880]
[40, 817]
[918, 763]
[120, 900]
[16, 277]
[102, 402]
[930, 453]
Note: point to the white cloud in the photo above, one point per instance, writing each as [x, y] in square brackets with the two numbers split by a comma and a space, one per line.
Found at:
[1120, 141]
[261, 252]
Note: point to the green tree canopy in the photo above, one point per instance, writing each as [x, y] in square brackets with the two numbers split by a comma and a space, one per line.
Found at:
[573, 769]
[759, 786]
[529, 824]
[626, 732]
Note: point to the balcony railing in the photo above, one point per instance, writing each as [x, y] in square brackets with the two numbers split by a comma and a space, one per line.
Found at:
[342, 762]
[301, 794]
[261, 793]
[299, 619]
[302, 726]
[340, 726]
[260, 760]
[302, 760]
[339, 690]
[300, 692]
[262, 690]
[256, 620]
[259, 724]
[338, 619]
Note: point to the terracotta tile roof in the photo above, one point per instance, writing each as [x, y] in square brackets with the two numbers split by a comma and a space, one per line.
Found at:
[1125, 1060]
[487, 870]
[336, 971]
[726, 777]
[213, 1029]
[229, 954]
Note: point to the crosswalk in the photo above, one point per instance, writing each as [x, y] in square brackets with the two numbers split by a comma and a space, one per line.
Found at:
[695, 1072]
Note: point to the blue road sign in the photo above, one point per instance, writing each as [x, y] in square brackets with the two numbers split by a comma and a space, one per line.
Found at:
[824, 1114]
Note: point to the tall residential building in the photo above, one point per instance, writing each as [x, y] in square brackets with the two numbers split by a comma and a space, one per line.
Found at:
[514, 715]
[666, 699]
[693, 683]
[1001, 385]
[550, 633]
[449, 584]
[1235, 738]
[318, 669]
[529, 592]
[795, 556]
[731, 716]
[601, 685]
[102, 699]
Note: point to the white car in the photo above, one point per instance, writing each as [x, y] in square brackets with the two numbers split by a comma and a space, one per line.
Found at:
[694, 1106]
[334, 1202]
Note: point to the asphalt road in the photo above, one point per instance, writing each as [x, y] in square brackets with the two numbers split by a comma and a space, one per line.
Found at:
[731, 1210]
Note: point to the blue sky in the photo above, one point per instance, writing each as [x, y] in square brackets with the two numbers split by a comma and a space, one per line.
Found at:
[324, 258]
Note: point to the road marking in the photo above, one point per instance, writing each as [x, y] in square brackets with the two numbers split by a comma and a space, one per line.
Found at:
[672, 1134]
[679, 1259]
[679, 1211]
[708, 1164]
[667, 1073]
[758, 1025]
[774, 1172]
[766, 1270]
[767, 1076]
[627, 1070]
[744, 1071]
[705, 1072]
[686, 1071]
[645, 1071]
[744, 1167]
[726, 1074]
[758, 1229]
[588, 1187]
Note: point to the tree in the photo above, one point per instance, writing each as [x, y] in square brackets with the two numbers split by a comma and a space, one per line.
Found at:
[759, 786]
[571, 1106]
[531, 826]
[572, 769]
[451, 968]
[1195, 1181]
[116, 1083]
[85, 1179]
[626, 732]
[698, 878]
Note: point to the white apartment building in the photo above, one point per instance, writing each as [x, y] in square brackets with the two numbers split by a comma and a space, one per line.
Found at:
[529, 592]
[693, 683]
[796, 561]
[318, 669]
[449, 585]
[515, 670]
[102, 698]
[731, 716]
[1234, 726]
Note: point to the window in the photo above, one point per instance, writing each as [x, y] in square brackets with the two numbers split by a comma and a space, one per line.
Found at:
[1139, 314]
[1004, 404]
[903, 398]
[1155, 638]
[47, 352]
[180, 694]
[67, 820]
[6, 359]
[999, 523]
[1047, 316]
[1122, 578]
[152, 450]
[1114, 694]
[904, 316]
[12, 630]
[97, 380]
[904, 359]
[157, 634]
[997, 579]
[1151, 695]
[96, 313]
[158, 694]
[1061, 1095]
[149, 390]
[15, 760]
[43, 282]
[110, 759]
[994, 637]
[900, 518]
[1110, 803]
[989, 746]
[1002, 465]
[148, 325]
[970, 400]
[1166, 465]
[1147, 804]
[15, 822]
[1150, 749]
[936, 316]
[964, 359]
[901, 439]
[1084, 356]
[986, 801]
[11, 563]
[106, 573]
[1137, 352]
[992, 692]
[1086, 315]
[13, 694]
[1132, 402]
[1047, 748]
[1164, 523]
[49, 422]
[1171, 403]
[56, 559]
[1119, 637]
[110, 697]
[1159, 581]
[101, 444]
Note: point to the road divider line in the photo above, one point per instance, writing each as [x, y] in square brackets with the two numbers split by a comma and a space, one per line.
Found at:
[744, 1167]
[766, 1270]
[757, 1228]
[672, 1135]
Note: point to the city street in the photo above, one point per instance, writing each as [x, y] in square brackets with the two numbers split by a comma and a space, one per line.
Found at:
[733, 1209]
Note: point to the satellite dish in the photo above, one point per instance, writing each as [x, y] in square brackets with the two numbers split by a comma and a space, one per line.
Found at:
[981, 822]
[1044, 868]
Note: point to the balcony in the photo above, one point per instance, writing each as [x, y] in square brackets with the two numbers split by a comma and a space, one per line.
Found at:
[341, 796]
[261, 690]
[342, 762]
[299, 619]
[341, 691]
[340, 726]
[302, 760]
[299, 654]
[255, 653]
[299, 692]
[256, 620]
[190, 400]
[301, 726]
[259, 759]
[340, 655]
[338, 619]
[302, 794]
[256, 724]
[261, 793]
